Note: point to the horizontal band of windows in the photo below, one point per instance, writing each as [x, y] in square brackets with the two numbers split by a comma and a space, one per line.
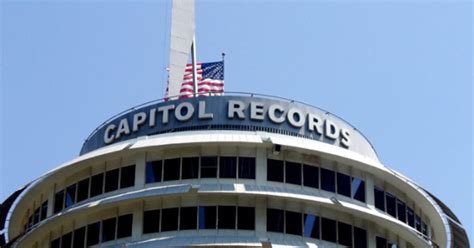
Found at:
[38, 215]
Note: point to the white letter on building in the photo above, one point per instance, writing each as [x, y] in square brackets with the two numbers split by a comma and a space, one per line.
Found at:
[292, 120]
[272, 113]
[346, 140]
[202, 111]
[152, 121]
[165, 109]
[107, 137]
[332, 131]
[315, 123]
[189, 111]
[138, 119]
[236, 107]
[256, 111]
[122, 128]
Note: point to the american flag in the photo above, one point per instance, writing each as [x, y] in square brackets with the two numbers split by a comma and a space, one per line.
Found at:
[210, 77]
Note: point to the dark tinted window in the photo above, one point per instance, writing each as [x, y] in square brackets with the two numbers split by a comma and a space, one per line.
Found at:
[79, 237]
[207, 217]
[328, 230]
[358, 189]
[344, 234]
[410, 217]
[44, 210]
[227, 167]
[97, 184]
[293, 223]
[55, 243]
[93, 231]
[66, 240]
[275, 220]
[293, 173]
[83, 190]
[153, 171]
[58, 201]
[246, 218]
[380, 242]
[108, 229]
[418, 223]
[188, 218]
[171, 169]
[379, 198]
[247, 167]
[111, 180]
[274, 170]
[311, 226]
[401, 211]
[190, 168]
[36, 215]
[328, 180]
[424, 228]
[311, 176]
[169, 219]
[70, 195]
[360, 238]
[151, 221]
[124, 226]
[208, 167]
[226, 218]
[391, 204]
[343, 184]
[127, 176]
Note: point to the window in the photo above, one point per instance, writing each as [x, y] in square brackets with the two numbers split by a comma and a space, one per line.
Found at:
[44, 210]
[380, 242]
[343, 184]
[226, 218]
[424, 228]
[418, 223]
[108, 229]
[293, 173]
[391, 204]
[328, 230]
[391, 245]
[410, 217]
[83, 190]
[111, 180]
[79, 237]
[274, 170]
[66, 240]
[153, 171]
[190, 168]
[360, 238]
[275, 220]
[293, 222]
[401, 210]
[70, 195]
[93, 231]
[311, 176]
[328, 180]
[246, 167]
[58, 201]
[171, 169]
[124, 226]
[169, 219]
[36, 215]
[208, 167]
[227, 167]
[311, 226]
[97, 184]
[188, 218]
[358, 189]
[379, 198]
[207, 217]
[55, 243]
[246, 218]
[127, 176]
[151, 221]
[344, 234]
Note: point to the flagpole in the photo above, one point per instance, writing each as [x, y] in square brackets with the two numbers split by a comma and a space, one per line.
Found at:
[193, 56]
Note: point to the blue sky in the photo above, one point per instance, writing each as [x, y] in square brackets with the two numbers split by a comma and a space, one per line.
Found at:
[400, 71]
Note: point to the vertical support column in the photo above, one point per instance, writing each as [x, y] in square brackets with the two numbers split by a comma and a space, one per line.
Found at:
[50, 210]
[137, 225]
[140, 165]
[261, 218]
[369, 191]
[261, 170]
[371, 235]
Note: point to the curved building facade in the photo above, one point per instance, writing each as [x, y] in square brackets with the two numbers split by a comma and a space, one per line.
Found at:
[234, 170]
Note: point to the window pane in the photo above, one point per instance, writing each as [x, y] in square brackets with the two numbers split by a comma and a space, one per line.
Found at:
[275, 218]
[36, 216]
[343, 184]
[108, 229]
[247, 167]
[70, 195]
[418, 223]
[153, 171]
[66, 240]
[93, 231]
[344, 234]
[169, 219]
[226, 218]
[410, 217]
[424, 228]
[246, 218]
[83, 190]
[97, 184]
[127, 176]
[311, 176]
[79, 237]
[379, 198]
[151, 221]
[311, 226]
[44, 210]
[111, 180]
[207, 217]
[171, 169]
[360, 238]
[293, 173]
[391, 204]
[328, 180]
[380, 242]
[58, 201]
[124, 226]
[328, 230]
[227, 167]
[358, 189]
[188, 218]
[190, 168]
[55, 243]
[293, 223]
[208, 167]
[401, 210]
[274, 170]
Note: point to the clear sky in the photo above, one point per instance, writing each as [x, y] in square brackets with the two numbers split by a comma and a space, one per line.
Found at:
[400, 71]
